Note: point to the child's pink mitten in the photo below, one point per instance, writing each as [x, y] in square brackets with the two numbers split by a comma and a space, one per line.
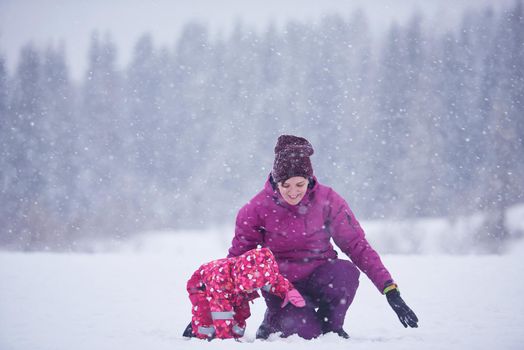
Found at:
[293, 296]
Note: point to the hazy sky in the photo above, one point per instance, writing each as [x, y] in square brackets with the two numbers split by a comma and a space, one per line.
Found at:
[73, 21]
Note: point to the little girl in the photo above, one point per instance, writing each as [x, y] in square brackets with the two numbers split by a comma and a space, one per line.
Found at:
[221, 289]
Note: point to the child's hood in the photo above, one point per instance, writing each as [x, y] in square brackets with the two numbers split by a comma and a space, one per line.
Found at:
[254, 269]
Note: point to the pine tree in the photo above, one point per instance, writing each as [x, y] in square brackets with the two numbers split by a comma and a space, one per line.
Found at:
[192, 121]
[25, 180]
[101, 145]
[505, 74]
[59, 132]
[389, 128]
[6, 168]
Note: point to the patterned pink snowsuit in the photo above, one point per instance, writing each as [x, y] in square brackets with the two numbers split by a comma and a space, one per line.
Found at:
[221, 289]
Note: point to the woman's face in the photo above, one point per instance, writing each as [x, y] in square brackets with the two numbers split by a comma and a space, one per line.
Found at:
[293, 189]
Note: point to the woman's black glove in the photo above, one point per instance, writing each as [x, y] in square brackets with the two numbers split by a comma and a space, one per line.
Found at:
[406, 316]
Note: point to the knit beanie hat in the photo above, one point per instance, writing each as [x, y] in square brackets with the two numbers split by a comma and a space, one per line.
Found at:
[292, 158]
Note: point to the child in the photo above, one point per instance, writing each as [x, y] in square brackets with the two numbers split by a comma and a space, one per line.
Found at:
[221, 289]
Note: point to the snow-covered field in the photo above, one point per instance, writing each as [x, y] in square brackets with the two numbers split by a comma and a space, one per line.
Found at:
[134, 298]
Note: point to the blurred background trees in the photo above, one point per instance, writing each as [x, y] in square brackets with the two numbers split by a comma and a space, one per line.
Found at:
[409, 123]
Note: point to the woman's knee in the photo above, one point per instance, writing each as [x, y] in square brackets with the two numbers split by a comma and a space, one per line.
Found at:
[337, 272]
[346, 270]
[346, 277]
[336, 280]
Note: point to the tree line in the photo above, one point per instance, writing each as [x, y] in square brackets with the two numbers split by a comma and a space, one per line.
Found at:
[411, 122]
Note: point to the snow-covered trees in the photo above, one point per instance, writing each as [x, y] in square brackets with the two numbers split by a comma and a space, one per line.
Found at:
[413, 122]
[503, 113]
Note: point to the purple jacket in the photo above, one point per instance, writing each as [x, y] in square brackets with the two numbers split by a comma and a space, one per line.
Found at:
[299, 235]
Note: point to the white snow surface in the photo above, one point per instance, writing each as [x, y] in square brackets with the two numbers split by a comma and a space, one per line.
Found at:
[135, 298]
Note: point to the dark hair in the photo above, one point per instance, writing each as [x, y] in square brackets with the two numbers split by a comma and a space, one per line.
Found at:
[274, 184]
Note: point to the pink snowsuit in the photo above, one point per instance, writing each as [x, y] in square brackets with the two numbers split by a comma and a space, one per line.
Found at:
[221, 289]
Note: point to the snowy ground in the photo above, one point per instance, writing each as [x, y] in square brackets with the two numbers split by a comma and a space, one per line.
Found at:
[135, 299]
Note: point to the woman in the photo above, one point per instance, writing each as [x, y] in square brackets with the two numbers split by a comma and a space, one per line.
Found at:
[296, 217]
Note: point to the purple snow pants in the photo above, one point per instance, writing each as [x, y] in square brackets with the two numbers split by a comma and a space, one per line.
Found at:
[328, 292]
